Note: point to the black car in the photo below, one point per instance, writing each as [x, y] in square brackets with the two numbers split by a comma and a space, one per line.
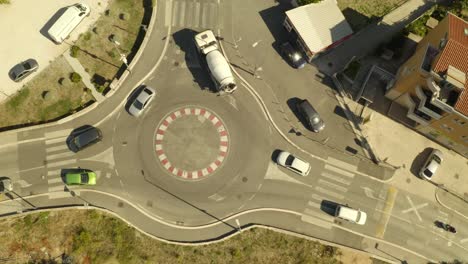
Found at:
[294, 56]
[310, 116]
[84, 138]
[23, 69]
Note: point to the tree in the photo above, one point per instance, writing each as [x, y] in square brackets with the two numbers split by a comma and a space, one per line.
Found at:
[306, 2]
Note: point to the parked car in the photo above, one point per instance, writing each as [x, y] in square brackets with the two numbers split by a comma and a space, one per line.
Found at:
[292, 163]
[85, 138]
[350, 214]
[432, 164]
[142, 99]
[5, 185]
[23, 69]
[310, 116]
[294, 56]
[80, 178]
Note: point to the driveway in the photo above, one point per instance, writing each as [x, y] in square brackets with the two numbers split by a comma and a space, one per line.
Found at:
[25, 36]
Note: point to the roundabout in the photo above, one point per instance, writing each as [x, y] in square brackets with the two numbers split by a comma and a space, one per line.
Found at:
[191, 142]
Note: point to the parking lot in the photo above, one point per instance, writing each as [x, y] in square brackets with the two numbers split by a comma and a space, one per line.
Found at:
[24, 34]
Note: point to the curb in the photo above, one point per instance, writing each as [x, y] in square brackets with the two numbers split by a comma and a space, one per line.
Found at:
[217, 239]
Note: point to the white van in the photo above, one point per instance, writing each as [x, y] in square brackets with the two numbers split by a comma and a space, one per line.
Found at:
[68, 21]
[350, 214]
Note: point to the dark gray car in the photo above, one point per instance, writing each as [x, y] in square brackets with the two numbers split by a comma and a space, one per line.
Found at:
[294, 57]
[85, 138]
[23, 69]
[310, 116]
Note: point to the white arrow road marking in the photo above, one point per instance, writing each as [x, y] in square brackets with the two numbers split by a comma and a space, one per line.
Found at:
[369, 192]
[414, 208]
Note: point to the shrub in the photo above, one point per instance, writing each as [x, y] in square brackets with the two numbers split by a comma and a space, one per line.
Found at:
[74, 51]
[75, 77]
[4, 2]
[87, 36]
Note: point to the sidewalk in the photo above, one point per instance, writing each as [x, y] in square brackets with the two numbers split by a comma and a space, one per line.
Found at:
[369, 38]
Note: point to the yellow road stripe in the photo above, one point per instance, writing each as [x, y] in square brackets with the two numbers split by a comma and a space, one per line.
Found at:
[389, 202]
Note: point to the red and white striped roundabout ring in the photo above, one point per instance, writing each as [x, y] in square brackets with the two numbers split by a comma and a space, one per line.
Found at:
[223, 143]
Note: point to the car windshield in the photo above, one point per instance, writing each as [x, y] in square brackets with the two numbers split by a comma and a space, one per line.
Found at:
[27, 66]
[436, 159]
[289, 160]
[84, 177]
[138, 104]
[427, 172]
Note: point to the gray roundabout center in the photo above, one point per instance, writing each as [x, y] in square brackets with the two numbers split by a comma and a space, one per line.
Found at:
[191, 142]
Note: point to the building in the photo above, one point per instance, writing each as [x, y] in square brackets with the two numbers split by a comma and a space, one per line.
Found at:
[317, 27]
[432, 85]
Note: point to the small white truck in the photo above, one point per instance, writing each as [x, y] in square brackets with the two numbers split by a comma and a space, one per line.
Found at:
[218, 66]
[68, 21]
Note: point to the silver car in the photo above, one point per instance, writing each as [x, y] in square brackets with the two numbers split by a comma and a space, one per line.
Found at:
[432, 164]
[23, 69]
[292, 163]
[5, 185]
[142, 99]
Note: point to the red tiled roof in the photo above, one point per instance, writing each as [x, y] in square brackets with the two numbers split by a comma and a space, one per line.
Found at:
[455, 53]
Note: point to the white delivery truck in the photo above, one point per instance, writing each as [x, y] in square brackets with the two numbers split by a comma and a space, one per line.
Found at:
[68, 21]
[218, 66]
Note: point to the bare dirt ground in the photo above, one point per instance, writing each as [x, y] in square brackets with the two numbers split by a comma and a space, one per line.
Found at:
[89, 236]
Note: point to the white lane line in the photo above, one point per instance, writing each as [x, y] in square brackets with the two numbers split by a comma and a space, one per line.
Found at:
[340, 171]
[57, 195]
[60, 155]
[332, 185]
[204, 16]
[327, 192]
[182, 14]
[54, 180]
[317, 197]
[196, 23]
[314, 204]
[175, 11]
[335, 178]
[58, 133]
[53, 172]
[315, 221]
[56, 188]
[52, 149]
[60, 163]
[55, 140]
[342, 164]
[212, 15]
[167, 16]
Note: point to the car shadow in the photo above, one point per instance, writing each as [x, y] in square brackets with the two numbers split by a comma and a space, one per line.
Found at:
[51, 22]
[328, 207]
[292, 104]
[274, 155]
[419, 160]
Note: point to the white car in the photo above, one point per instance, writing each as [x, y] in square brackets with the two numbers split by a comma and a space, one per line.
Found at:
[141, 101]
[292, 163]
[431, 164]
[5, 185]
[350, 214]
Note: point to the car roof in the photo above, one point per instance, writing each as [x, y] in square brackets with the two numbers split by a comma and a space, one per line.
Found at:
[300, 164]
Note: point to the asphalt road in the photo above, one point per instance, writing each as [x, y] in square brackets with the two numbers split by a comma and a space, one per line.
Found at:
[248, 187]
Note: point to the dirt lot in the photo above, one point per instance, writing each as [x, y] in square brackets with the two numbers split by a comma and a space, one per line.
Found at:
[89, 236]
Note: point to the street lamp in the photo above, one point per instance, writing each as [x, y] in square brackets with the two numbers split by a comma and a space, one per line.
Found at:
[123, 58]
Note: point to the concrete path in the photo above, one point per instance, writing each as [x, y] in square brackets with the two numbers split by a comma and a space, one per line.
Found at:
[86, 78]
[366, 40]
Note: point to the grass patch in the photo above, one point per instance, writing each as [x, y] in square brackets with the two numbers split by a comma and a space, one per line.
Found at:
[93, 237]
[360, 13]
[44, 98]
[101, 57]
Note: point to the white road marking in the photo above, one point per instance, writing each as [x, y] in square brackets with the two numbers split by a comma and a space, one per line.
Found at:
[60, 163]
[335, 178]
[58, 133]
[332, 185]
[60, 155]
[369, 193]
[55, 140]
[414, 208]
[54, 180]
[342, 164]
[327, 192]
[56, 188]
[167, 13]
[175, 10]
[57, 195]
[464, 240]
[53, 172]
[197, 15]
[314, 204]
[52, 149]
[315, 221]
[340, 171]
[182, 14]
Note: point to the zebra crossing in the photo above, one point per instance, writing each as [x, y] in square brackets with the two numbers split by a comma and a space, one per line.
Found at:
[332, 185]
[194, 14]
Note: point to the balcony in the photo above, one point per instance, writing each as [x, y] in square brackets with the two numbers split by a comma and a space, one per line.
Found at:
[413, 113]
[425, 105]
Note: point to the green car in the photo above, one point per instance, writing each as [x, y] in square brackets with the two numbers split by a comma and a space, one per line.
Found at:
[82, 177]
